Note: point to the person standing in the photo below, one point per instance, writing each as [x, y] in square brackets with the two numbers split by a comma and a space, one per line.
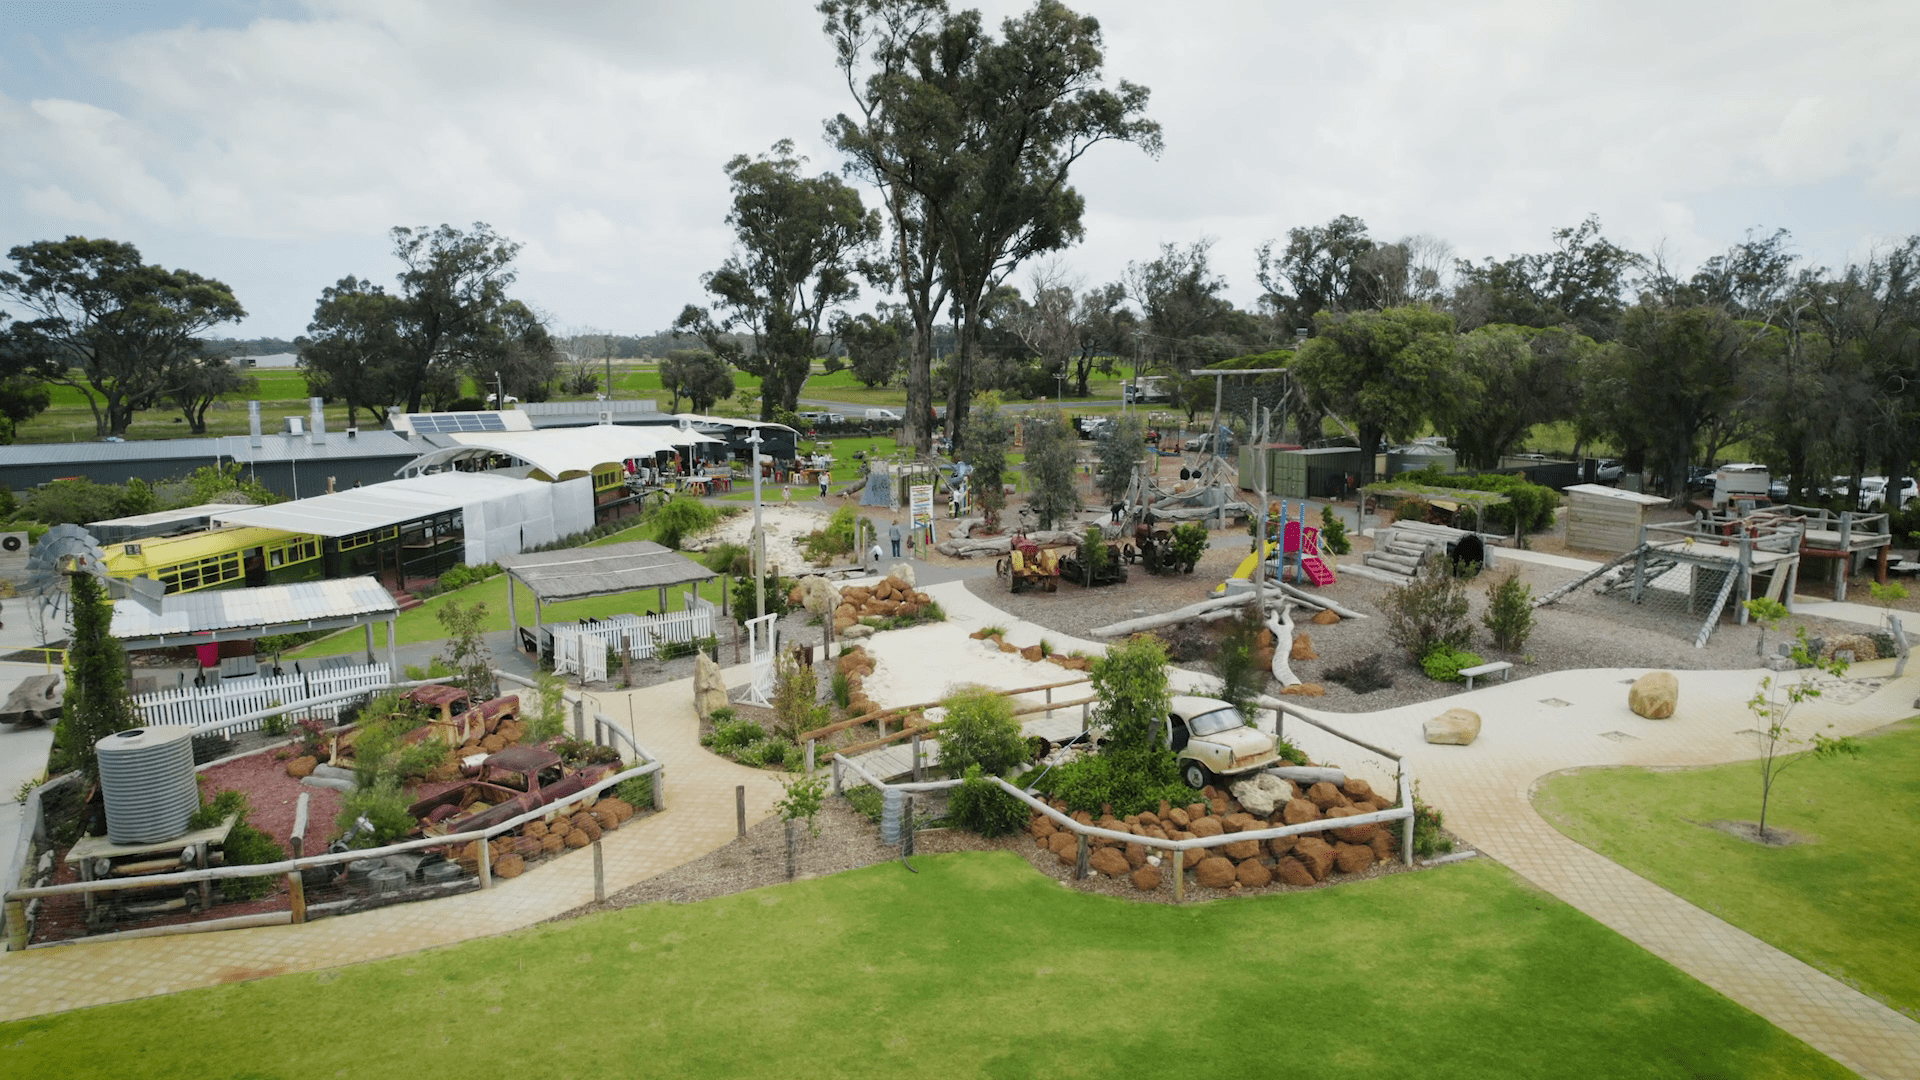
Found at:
[823, 485]
[894, 534]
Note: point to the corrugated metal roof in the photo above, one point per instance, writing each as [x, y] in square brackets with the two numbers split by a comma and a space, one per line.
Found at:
[266, 607]
[337, 446]
[603, 570]
[375, 506]
[168, 517]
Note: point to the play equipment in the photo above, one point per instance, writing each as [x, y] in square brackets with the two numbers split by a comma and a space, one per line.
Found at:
[1299, 544]
[1030, 566]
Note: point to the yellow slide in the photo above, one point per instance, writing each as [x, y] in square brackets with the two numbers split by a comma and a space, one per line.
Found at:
[1245, 569]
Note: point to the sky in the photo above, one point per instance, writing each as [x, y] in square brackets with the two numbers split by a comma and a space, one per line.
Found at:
[272, 145]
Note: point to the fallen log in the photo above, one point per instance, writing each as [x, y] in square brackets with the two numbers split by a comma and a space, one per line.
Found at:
[1317, 601]
[1282, 627]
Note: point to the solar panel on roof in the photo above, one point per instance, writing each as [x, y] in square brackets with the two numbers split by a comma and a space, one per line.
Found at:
[445, 423]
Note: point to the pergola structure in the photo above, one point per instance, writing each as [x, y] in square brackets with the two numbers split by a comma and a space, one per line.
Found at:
[577, 573]
[216, 615]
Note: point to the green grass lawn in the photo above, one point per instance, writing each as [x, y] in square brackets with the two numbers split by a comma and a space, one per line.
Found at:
[423, 624]
[1848, 903]
[975, 966]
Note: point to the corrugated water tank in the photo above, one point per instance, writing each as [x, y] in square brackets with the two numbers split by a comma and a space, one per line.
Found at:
[147, 782]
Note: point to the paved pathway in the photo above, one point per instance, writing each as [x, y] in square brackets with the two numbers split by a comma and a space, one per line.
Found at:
[699, 818]
[1536, 726]
[1533, 727]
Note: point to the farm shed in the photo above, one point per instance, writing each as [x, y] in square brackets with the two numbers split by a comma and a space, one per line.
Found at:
[1603, 518]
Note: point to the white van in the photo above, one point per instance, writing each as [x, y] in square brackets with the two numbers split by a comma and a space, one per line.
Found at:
[882, 416]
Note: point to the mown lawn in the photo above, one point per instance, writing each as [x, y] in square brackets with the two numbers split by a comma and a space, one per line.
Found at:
[1848, 903]
[975, 966]
[423, 623]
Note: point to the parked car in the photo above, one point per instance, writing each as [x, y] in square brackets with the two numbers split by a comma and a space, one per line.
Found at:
[882, 416]
[1202, 444]
[1608, 471]
[1212, 739]
[1873, 492]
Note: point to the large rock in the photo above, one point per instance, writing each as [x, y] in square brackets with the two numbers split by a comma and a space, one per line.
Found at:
[1215, 873]
[709, 688]
[1352, 858]
[1252, 874]
[1316, 854]
[1206, 826]
[1146, 879]
[1241, 850]
[1110, 862]
[1455, 727]
[1299, 812]
[818, 595]
[1262, 794]
[1861, 646]
[1352, 834]
[301, 766]
[857, 630]
[1293, 872]
[1064, 844]
[901, 575]
[1653, 695]
[1326, 796]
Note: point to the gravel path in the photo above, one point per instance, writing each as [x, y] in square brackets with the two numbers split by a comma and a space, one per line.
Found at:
[1581, 631]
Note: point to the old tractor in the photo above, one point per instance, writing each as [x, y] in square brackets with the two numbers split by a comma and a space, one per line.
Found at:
[1030, 566]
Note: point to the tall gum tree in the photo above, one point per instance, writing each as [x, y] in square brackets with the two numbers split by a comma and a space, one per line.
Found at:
[1386, 372]
[802, 242]
[110, 326]
[452, 287]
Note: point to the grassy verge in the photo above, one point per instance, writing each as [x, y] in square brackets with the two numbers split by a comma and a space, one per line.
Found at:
[423, 624]
[1462, 972]
[1845, 903]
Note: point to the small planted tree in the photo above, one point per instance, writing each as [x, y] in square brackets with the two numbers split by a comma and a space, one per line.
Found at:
[1509, 613]
[980, 731]
[1051, 456]
[466, 653]
[1236, 661]
[1131, 681]
[1885, 595]
[97, 703]
[989, 433]
[1119, 450]
[1430, 612]
[1773, 704]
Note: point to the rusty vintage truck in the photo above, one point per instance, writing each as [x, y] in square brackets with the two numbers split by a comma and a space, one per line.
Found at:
[511, 782]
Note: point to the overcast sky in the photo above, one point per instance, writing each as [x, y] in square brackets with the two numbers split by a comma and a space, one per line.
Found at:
[272, 145]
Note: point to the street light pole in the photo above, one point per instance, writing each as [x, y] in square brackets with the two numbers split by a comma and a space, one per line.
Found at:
[759, 538]
[499, 393]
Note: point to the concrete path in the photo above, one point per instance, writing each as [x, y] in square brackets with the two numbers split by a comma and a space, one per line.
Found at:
[699, 818]
[23, 757]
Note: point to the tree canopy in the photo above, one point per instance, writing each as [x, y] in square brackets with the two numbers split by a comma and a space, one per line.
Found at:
[801, 242]
[107, 324]
[1384, 371]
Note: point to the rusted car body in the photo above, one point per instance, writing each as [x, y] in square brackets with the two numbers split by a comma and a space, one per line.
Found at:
[511, 782]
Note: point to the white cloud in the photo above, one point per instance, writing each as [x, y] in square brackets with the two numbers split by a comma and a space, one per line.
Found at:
[596, 134]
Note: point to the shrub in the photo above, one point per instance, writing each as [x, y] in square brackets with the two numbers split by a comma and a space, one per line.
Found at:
[1428, 840]
[1333, 532]
[731, 735]
[1129, 781]
[803, 800]
[729, 558]
[1443, 664]
[1533, 503]
[1509, 613]
[842, 689]
[1131, 681]
[245, 845]
[1362, 676]
[636, 792]
[680, 517]
[773, 751]
[460, 575]
[722, 715]
[549, 718]
[1285, 748]
[985, 807]
[777, 590]
[1429, 612]
[384, 807]
[865, 801]
[1189, 543]
[836, 538]
[980, 731]
[1236, 662]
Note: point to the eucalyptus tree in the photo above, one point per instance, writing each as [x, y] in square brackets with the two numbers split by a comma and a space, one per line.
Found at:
[801, 242]
[452, 290]
[100, 320]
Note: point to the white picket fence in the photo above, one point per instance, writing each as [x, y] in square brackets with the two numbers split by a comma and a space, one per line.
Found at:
[574, 643]
[229, 698]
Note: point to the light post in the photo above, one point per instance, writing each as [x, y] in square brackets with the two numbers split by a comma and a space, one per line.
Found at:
[759, 538]
[1060, 377]
[499, 393]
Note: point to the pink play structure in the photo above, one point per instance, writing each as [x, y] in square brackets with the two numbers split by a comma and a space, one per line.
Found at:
[1302, 541]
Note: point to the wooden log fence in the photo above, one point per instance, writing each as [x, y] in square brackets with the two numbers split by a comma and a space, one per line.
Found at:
[1404, 812]
[18, 932]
